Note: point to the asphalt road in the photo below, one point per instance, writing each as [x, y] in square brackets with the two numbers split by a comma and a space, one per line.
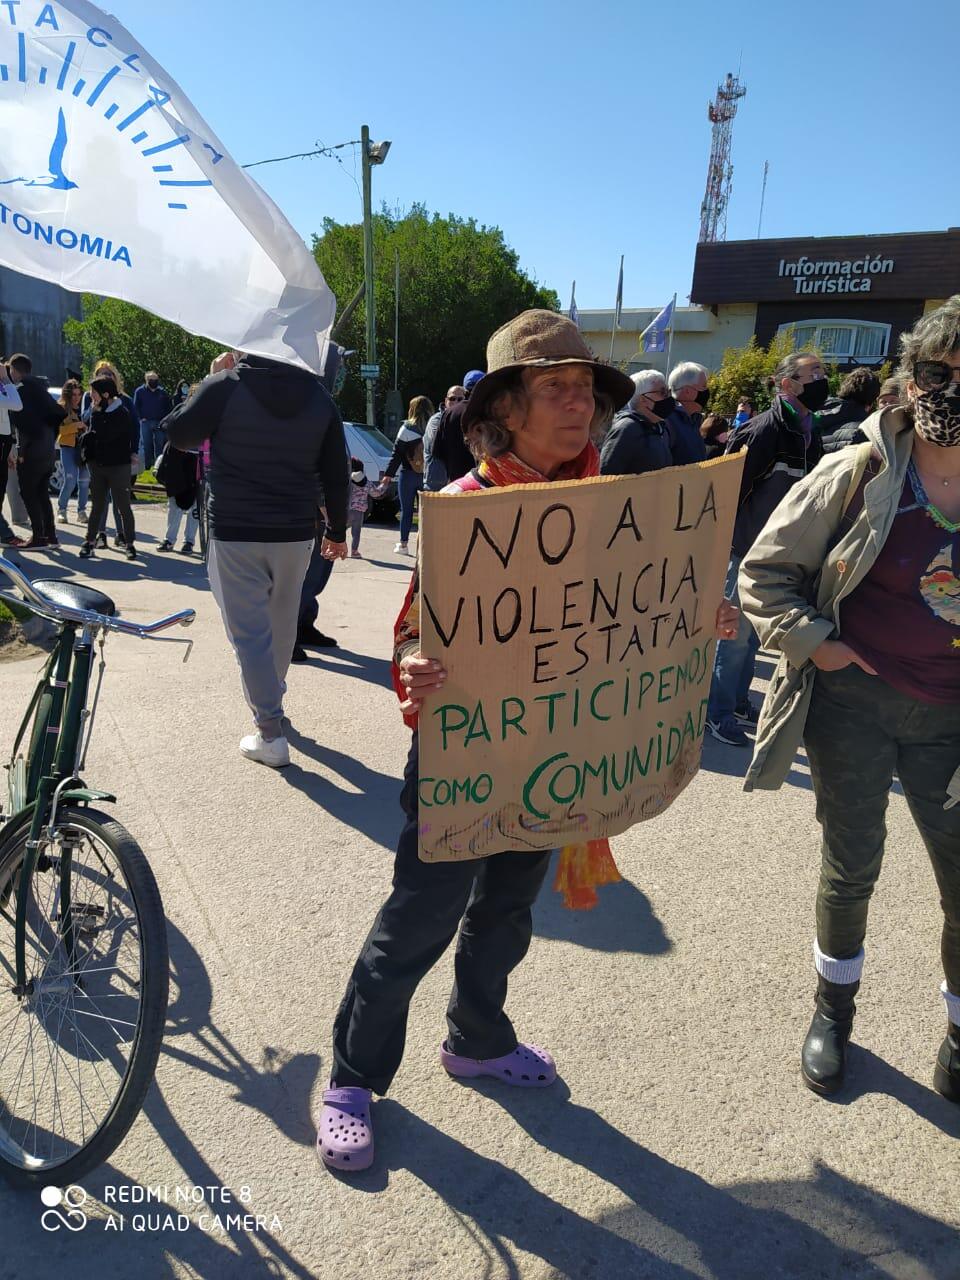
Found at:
[679, 1141]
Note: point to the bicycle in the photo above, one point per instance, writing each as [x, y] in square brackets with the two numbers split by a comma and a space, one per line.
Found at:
[84, 968]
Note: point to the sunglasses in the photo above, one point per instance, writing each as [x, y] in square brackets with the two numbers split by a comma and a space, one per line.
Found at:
[934, 375]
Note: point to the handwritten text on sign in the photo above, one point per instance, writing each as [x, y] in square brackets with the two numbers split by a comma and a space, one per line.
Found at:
[576, 623]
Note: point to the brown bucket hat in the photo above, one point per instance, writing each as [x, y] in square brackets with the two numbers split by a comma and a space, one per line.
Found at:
[535, 340]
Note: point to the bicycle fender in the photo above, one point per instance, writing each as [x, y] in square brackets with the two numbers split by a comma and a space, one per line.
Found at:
[86, 794]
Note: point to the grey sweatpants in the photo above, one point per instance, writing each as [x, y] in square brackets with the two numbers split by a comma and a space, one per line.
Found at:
[257, 586]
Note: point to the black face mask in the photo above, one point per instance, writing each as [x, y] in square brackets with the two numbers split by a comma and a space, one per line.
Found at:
[153, 384]
[814, 394]
[663, 408]
[703, 397]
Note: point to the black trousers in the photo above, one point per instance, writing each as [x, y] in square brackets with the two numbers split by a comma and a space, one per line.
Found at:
[112, 481]
[490, 900]
[34, 480]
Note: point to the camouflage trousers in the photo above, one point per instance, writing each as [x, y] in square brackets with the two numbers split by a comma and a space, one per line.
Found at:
[859, 732]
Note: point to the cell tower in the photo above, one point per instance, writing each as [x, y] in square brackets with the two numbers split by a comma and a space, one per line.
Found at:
[713, 211]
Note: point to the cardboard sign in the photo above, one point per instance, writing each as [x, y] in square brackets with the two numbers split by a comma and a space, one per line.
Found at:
[576, 622]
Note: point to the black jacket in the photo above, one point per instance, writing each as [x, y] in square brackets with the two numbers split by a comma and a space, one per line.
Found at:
[36, 424]
[177, 472]
[116, 439]
[686, 443]
[634, 445]
[839, 423]
[275, 437]
[853, 433]
[777, 457]
[407, 448]
[449, 447]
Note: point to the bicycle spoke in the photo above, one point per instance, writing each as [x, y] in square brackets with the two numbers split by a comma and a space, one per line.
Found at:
[68, 1044]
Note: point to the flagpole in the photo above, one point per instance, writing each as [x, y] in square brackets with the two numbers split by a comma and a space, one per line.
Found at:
[673, 317]
[616, 308]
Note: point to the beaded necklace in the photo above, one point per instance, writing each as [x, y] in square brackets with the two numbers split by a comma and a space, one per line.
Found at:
[922, 500]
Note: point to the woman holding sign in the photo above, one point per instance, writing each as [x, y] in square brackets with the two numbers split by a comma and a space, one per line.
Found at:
[532, 419]
[872, 687]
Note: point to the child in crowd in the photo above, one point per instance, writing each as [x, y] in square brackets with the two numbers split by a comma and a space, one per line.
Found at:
[358, 506]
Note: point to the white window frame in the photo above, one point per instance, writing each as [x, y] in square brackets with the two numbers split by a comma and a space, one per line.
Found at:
[839, 323]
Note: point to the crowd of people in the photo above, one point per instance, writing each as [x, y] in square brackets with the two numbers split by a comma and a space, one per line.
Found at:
[850, 501]
[831, 509]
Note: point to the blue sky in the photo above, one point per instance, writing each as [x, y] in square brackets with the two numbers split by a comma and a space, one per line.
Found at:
[580, 128]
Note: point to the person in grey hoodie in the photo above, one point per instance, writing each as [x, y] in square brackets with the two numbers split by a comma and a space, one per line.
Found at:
[275, 437]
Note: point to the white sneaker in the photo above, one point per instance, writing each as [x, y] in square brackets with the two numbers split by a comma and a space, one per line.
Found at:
[401, 549]
[275, 753]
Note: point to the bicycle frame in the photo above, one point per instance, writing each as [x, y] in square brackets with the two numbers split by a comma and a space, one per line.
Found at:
[58, 711]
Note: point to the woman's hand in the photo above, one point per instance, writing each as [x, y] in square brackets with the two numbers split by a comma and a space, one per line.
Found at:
[333, 550]
[226, 360]
[834, 655]
[420, 677]
[728, 620]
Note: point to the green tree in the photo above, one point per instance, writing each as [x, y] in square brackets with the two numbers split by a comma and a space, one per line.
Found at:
[744, 372]
[458, 283]
[135, 341]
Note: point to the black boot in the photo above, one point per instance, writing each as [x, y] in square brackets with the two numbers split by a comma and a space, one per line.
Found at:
[823, 1061]
[946, 1076]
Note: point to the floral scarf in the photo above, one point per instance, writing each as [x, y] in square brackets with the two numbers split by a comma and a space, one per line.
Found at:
[582, 867]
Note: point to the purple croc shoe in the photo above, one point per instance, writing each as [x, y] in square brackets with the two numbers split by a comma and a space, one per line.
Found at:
[345, 1131]
[527, 1067]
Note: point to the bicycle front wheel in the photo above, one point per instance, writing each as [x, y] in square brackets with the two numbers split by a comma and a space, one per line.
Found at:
[78, 1047]
[203, 522]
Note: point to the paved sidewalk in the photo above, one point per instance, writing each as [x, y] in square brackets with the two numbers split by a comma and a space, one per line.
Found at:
[679, 1142]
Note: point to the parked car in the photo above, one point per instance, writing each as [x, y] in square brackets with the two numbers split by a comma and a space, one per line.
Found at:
[374, 450]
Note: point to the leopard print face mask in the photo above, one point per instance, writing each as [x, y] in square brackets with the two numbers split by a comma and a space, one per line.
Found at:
[937, 416]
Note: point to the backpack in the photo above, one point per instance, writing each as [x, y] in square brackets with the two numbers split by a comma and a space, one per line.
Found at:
[415, 457]
[87, 446]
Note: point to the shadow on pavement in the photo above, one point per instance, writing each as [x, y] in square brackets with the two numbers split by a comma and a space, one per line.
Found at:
[735, 761]
[676, 1225]
[407, 563]
[623, 920]
[279, 1088]
[110, 567]
[348, 663]
[372, 807]
[870, 1074]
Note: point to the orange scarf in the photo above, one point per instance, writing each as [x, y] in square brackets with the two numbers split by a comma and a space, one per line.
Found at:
[582, 867]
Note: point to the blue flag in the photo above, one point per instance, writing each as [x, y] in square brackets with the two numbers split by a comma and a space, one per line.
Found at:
[573, 313]
[654, 336]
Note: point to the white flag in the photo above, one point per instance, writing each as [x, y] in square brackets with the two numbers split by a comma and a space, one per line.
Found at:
[111, 183]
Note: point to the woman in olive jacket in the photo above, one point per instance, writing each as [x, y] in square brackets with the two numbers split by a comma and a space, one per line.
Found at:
[855, 580]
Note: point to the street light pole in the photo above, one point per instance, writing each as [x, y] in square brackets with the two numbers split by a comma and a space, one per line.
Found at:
[371, 153]
[371, 382]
